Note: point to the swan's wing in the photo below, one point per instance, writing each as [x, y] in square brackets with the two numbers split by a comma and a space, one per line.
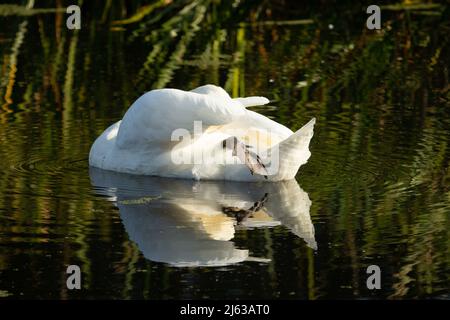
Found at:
[165, 115]
[157, 115]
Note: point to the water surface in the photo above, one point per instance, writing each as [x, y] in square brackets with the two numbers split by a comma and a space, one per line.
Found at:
[375, 190]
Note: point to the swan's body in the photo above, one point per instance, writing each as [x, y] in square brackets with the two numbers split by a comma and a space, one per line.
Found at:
[148, 141]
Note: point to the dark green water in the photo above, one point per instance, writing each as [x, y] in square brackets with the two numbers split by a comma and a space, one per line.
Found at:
[376, 189]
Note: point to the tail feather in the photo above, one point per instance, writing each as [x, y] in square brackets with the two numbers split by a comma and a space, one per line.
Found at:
[293, 152]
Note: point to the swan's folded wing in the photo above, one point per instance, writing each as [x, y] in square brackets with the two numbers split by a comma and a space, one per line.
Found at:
[215, 111]
[157, 114]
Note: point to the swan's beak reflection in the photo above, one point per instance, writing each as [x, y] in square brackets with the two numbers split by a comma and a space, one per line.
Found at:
[191, 223]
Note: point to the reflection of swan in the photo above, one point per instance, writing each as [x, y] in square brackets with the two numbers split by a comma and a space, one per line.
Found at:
[189, 223]
[201, 134]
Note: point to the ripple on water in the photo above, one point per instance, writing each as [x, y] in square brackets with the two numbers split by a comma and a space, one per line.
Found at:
[37, 177]
[43, 166]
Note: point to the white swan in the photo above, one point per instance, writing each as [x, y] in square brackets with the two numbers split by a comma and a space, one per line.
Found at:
[201, 134]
